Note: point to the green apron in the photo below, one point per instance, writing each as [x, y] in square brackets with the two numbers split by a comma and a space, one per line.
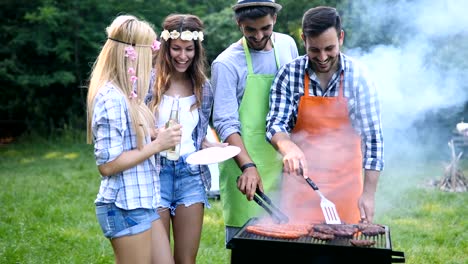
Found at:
[252, 116]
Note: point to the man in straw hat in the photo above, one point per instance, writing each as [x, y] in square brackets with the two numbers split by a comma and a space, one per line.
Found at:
[241, 78]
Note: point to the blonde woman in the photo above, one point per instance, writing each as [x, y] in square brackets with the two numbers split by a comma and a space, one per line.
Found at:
[119, 125]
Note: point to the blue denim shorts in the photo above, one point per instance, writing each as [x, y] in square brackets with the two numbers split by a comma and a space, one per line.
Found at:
[116, 222]
[181, 183]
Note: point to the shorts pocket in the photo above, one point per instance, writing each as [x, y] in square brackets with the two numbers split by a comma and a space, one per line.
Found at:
[106, 217]
[193, 169]
[135, 217]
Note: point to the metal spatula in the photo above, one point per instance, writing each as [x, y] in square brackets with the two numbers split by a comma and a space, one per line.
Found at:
[328, 208]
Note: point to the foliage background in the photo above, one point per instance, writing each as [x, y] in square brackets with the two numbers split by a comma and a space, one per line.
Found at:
[48, 48]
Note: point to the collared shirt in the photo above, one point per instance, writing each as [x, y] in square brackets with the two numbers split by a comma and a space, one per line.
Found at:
[113, 134]
[200, 131]
[229, 75]
[361, 93]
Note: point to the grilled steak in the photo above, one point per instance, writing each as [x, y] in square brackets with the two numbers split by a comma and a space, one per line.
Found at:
[324, 228]
[371, 229]
[362, 243]
[320, 235]
[344, 230]
[336, 230]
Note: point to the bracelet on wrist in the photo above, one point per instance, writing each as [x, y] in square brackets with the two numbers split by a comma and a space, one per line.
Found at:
[247, 165]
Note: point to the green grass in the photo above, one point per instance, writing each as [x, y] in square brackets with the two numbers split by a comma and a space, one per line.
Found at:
[47, 212]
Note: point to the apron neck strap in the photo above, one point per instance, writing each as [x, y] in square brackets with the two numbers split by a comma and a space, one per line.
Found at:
[248, 58]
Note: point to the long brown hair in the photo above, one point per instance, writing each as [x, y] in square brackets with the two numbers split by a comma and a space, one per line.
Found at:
[164, 67]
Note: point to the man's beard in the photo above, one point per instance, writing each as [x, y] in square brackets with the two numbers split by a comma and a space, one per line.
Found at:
[251, 43]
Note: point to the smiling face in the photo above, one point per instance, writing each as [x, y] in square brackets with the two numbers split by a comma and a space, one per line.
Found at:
[182, 53]
[258, 31]
[323, 50]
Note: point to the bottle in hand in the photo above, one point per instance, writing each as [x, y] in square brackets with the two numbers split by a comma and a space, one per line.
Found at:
[174, 152]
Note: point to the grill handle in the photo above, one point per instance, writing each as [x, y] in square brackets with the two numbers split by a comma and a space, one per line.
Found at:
[398, 257]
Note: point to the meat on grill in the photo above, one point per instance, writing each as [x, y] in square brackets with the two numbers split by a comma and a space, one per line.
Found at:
[284, 231]
[362, 242]
[336, 230]
[371, 229]
[344, 230]
[320, 235]
[324, 228]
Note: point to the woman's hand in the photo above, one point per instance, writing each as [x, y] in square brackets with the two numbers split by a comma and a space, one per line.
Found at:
[168, 137]
[208, 144]
[154, 133]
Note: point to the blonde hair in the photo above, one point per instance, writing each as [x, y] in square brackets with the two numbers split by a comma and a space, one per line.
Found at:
[112, 65]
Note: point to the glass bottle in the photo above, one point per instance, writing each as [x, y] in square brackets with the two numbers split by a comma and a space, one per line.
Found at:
[174, 152]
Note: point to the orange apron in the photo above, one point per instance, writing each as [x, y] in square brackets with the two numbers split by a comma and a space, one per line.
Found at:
[332, 148]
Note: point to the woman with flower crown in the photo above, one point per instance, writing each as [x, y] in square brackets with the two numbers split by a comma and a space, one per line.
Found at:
[119, 124]
[180, 73]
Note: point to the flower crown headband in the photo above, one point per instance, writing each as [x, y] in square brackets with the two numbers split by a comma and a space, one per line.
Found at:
[131, 54]
[184, 35]
[155, 46]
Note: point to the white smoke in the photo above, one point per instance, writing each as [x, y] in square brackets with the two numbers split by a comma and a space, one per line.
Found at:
[418, 75]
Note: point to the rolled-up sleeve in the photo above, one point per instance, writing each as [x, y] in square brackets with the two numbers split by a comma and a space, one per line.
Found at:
[109, 124]
[281, 105]
[368, 111]
[226, 103]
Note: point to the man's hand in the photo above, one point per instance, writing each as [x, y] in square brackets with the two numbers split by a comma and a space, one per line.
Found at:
[248, 182]
[293, 158]
[366, 202]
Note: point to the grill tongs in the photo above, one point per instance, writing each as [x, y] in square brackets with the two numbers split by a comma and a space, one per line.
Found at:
[265, 202]
[275, 213]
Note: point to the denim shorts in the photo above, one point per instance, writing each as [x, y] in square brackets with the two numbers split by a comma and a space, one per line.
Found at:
[116, 222]
[181, 184]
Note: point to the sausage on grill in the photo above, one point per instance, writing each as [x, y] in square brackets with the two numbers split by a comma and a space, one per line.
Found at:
[285, 231]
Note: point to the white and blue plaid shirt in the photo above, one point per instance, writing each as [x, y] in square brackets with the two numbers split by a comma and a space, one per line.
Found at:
[361, 93]
[113, 134]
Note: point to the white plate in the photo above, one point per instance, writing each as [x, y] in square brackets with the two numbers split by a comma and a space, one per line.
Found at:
[213, 155]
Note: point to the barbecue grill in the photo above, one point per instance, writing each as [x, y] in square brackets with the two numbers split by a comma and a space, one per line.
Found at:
[250, 248]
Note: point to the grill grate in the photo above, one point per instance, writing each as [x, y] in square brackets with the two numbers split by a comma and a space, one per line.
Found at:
[382, 241]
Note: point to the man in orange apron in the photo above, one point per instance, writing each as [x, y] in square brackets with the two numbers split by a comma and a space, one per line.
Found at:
[325, 117]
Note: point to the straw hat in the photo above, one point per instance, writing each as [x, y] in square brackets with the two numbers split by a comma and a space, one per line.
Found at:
[248, 3]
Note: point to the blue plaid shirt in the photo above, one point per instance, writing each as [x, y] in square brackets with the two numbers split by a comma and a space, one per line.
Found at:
[113, 134]
[200, 131]
[361, 93]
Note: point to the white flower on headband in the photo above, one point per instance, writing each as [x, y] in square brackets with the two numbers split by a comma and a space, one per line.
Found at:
[185, 35]
[175, 34]
[165, 35]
